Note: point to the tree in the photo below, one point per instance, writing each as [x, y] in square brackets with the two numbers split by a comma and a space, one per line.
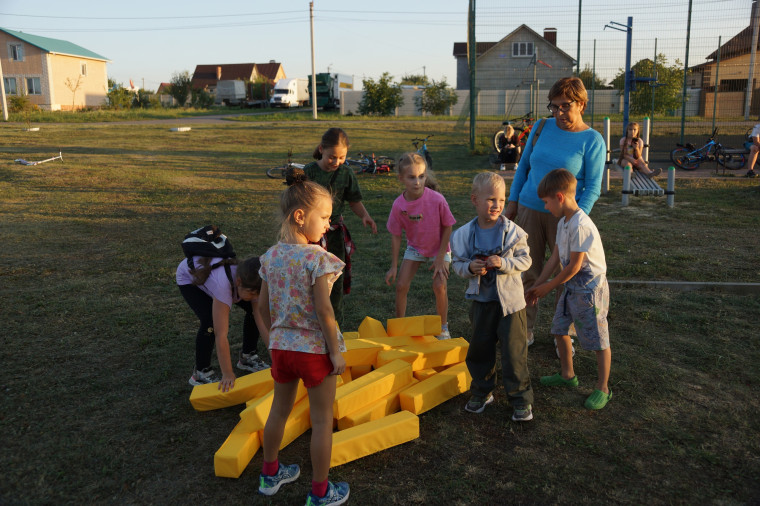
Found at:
[118, 96]
[179, 87]
[667, 95]
[415, 80]
[73, 86]
[201, 99]
[437, 98]
[586, 76]
[381, 97]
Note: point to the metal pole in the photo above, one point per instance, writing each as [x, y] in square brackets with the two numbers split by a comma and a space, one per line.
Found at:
[607, 162]
[685, 73]
[627, 90]
[593, 85]
[645, 137]
[535, 78]
[626, 185]
[472, 49]
[717, 84]
[654, 74]
[671, 191]
[313, 71]
[578, 58]
[2, 92]
[748, 94]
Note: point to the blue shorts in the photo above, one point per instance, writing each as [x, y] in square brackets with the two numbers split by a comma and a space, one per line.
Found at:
[416, 256]
[587, 309]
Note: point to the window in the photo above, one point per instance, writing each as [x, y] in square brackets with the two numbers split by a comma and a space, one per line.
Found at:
[522, 49]
[33, 86]
[16, 52]
[84, 69]
[10, 86]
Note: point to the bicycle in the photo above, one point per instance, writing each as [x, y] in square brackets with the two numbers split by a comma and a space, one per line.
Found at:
[522, 129]
[423, 150]
[688, 157]
[280, 171]
[370, 164]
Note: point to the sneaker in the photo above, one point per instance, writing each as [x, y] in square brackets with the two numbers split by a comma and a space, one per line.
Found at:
[444, 333]
[477, 404]
[251, 362]
[597, 400]
[751, 173]
[531, 339]
[337, 493]
[656, 172]
[523, 414]
[269, 485]
[503, 167]
[556, 348]
[558, 381]
[203, 377]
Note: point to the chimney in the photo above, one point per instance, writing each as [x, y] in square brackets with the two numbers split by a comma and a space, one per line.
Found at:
[550, 34]
[218, 73]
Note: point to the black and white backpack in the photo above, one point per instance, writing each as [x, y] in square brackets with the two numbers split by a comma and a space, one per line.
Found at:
[209, 242]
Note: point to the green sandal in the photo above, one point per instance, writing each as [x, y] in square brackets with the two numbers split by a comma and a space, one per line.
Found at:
[598, 399]
[558, 381]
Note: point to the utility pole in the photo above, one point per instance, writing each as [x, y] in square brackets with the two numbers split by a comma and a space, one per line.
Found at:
[313, 72]
[753, 50]
[2, 92]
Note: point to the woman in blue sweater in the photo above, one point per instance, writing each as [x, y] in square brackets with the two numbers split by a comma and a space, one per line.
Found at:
[565, 141]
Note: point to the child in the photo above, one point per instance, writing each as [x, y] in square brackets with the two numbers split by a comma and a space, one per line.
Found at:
[304, 341]
[630, 152]
[585, 301]
[210, 290]
[492, 252]
[509, 147]
[425, 217]
[753, 144]
[341, 182]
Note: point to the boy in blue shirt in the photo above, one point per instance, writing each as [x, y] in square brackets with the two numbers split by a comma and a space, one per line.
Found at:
[579, 252]
[492, 252]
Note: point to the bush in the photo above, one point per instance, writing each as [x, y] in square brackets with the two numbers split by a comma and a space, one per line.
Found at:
[201, 99]
[437, 98]
[118, 97]
[21, 103]
[381, 97]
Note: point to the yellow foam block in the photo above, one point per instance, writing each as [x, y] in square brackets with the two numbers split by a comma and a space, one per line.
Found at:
[424, 374]
[360, 352]
[398, 341]
[207, 397]
[415, 326]
[372, 437]
[231, 459]
[346, 376]
[375, 410]
[427, 355]
[350, 335]
[352, 396]
[370, 327]
[255, 415]
[358, 371]
[298, 422]
[438, 388]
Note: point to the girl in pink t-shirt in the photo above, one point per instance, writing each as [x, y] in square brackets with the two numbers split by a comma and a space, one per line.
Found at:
[424, 216]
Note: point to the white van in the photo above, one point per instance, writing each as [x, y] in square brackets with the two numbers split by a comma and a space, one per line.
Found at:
[290, 93]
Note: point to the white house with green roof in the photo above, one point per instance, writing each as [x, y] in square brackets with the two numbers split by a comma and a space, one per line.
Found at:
[54, 74]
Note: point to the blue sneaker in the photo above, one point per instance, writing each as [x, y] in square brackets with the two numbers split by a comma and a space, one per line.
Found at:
[337, 493]
[269, 485]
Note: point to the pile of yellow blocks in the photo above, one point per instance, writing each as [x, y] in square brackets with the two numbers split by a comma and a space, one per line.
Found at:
[391, 377]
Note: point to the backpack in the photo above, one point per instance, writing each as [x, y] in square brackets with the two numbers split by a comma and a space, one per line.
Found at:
[210, 242]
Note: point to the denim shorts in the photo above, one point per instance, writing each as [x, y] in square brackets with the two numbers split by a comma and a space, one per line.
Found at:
[416, 256]
[587, 309]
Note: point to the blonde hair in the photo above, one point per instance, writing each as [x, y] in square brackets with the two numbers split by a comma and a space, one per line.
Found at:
[300, 194]
[333, 137]
[412, 159]
[509, 131]
[487, 180]
[557, 181]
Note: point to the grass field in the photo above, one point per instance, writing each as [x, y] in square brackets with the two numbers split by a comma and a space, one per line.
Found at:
[98, 343]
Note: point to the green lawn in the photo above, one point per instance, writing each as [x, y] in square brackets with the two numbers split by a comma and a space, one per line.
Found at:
[99, 343]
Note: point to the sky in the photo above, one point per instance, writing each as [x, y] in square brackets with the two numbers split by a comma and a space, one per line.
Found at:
[149, 41]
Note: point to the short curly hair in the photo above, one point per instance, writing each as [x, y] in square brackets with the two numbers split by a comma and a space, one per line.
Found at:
[571, 88]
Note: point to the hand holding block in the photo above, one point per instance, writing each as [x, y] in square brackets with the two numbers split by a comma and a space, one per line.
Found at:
[370, 327]
[438, 388]
[375, 410]
[254, 416]
[372, 437]
[207, 397]
[427, 325]
[370, 387]
[427, 355]
[231, 459]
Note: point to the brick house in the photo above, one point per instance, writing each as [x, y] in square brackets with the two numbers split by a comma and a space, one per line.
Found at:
[206, 76]
[47, 70]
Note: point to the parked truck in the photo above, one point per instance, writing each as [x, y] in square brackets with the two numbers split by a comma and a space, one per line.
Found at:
[290, 93]
[329, 87]
[230, 92]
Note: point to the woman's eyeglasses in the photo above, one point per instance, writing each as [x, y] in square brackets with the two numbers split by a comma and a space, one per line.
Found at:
[561, 107]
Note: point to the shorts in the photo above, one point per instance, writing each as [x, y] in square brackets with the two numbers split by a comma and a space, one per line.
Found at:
[289, 366]
[416, 256]
[587, 309]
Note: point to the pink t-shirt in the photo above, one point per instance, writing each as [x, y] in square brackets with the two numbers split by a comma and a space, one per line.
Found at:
[290, 271]
[422, 220]
[217, 285]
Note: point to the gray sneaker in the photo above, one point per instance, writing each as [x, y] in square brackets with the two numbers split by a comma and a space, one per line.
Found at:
[202, 377]
[269, 485]
[523, 414]
[251, 362]
[477, 404]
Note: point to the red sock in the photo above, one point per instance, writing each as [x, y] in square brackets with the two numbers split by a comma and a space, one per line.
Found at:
[319, 488]
[270, 468]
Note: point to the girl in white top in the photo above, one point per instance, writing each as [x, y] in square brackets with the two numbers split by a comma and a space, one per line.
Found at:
[631, 147]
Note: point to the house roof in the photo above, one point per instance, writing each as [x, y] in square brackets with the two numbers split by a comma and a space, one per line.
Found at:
[55, 46]
[738, 45]
[205, 75]
[460, 48]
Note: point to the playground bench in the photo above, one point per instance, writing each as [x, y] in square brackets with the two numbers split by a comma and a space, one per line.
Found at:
[642, 185]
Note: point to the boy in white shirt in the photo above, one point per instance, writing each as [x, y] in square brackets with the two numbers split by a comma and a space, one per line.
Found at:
[585, 300]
